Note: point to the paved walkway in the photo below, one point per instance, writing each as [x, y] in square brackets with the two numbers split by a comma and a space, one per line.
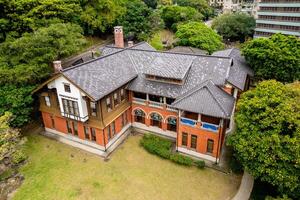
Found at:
[246, 187]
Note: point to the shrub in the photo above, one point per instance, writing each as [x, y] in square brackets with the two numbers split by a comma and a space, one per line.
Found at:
[200, 164]
[6, 174]
[156, 145]
[18, 156]
[235, 165]
[181, 159]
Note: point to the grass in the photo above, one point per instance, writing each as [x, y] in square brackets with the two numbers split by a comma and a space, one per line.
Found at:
[58, 171]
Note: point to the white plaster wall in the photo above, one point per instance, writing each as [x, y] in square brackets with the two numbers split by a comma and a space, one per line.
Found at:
[75, 95]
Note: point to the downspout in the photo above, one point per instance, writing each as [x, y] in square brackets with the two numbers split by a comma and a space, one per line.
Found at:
[218, 149]
[103, 128]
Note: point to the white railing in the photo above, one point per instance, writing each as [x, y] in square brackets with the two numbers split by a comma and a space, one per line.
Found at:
[155, 104]
[171, 108]
[139, 101]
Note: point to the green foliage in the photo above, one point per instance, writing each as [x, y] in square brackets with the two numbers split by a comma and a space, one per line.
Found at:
[6, 174]
[277, 57]
[18, 101]
[181, 159]
[28, 15]
[172, 15]
[200, 5]
[284, 197]
[9, 137]
[24, 62]
[267, 137]
[151, 3]
[98, 16]
[156, 145]
[139, 21]
[200, 164]
[234, 26]
[156, 42]
[235, 165]
[198, 35]
[18, 156]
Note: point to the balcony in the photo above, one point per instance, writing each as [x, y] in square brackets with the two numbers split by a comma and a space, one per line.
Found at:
[187, 121]
[169, 108]
[209, 126]
[139, 101]
[75, 117]
[154, 104]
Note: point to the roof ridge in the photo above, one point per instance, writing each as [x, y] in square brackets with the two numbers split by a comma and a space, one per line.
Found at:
[180, 53]
[192, 91]
[219, 103]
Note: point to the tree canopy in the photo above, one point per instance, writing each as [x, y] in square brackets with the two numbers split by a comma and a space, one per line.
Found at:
[267, 136]
[172, 15]
[24, 62]
[197, 34]
[277, 57]
[140, 21]
[234, 26]
[200, 5]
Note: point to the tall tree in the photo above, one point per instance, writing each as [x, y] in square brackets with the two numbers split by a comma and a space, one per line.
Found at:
[24, 62]
[98, 16]
[172, 15]
[200, 5]
[267, 137]
[198, 35]
[139, 21]
[234, 26]
[277, 57]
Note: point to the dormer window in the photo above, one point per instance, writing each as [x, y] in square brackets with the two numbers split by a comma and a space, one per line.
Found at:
[93, 108]
[122, 94]
[47, 101]
[67, 87]
[108, 104]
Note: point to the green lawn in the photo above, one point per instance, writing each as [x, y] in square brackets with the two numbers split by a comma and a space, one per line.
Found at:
[58, 171]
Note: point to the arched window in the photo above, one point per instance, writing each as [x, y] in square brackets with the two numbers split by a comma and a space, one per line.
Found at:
[156, 119]
[139, 116]
[172, 124]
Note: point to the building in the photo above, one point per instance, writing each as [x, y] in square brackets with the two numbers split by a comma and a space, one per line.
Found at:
[188, 98]
[278, 16]
[229, 6]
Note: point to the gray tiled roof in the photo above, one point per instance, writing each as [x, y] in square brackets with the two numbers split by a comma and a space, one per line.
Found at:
[207, 99]
[101, 76]
[184, 49]
[199, 93]
[240, 70]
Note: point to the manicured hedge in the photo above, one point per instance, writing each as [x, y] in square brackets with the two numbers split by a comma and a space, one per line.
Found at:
[156, 145]
[181, 159]
[200, 164]
[162, 147]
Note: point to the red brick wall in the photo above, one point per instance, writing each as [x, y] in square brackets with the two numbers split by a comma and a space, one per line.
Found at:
[202, 138]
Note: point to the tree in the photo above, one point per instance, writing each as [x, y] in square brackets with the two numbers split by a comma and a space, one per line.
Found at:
[24, 62]
[139, 21]
[267, 136]
[9, 137]
[200, 5]
[198, 35]
[277, 57]
[151, 3]
[28, 15]
[234, 26]
[98, 16]
[172, 15]
[26, 59]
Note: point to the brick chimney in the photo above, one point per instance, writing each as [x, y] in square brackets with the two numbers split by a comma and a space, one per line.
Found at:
[57, 66]
[119, 37]
[130, 43]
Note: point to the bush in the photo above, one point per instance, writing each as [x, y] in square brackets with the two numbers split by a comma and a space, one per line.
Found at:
[18, 156]
[181, 159]
[156, 145]
[6, 174]
[200, 164]
[235, 165]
